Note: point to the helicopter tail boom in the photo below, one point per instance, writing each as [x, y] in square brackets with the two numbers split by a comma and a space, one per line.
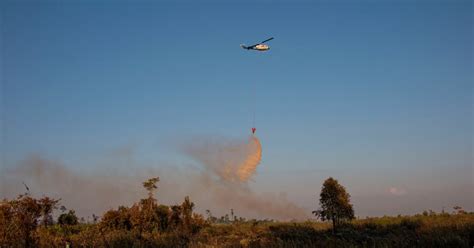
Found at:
[245, 47]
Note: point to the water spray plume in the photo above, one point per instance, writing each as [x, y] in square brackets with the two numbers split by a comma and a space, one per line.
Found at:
[228, 164]
[231, 161]
[249, 166]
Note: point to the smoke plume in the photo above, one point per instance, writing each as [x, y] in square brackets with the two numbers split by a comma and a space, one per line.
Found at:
[88, 192]
[217, 180]
[228, 165]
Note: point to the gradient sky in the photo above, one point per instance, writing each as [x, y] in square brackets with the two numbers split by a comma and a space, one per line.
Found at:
[377, 94]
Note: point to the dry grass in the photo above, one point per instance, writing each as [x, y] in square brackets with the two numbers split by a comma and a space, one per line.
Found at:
[27, 222]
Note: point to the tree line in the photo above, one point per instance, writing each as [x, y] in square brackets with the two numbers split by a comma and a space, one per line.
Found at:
[28, 222]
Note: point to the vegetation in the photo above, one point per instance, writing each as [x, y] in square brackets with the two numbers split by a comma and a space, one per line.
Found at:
[335, 203]
[68, 218]
[28, 222]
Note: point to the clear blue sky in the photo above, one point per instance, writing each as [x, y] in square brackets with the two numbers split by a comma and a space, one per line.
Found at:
[377, 94]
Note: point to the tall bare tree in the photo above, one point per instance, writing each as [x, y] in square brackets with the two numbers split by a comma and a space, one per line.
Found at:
[150, 186]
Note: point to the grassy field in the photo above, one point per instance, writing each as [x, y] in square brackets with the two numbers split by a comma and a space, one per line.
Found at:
[436, 230]
[23, 225]
[28, 222]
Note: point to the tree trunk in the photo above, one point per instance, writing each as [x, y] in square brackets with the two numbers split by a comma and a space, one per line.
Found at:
[333, 225]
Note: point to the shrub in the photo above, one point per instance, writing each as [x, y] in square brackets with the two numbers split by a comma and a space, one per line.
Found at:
[68, 218]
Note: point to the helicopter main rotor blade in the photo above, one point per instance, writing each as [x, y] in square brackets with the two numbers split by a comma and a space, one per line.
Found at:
[266, 40]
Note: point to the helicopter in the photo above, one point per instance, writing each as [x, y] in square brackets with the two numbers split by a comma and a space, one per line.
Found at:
[258, 47]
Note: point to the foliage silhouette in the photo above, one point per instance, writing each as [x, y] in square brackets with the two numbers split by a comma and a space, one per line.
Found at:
[335, 203]
[26, 222]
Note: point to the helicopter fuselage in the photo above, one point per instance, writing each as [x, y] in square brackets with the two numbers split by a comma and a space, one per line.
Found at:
[261, 47]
